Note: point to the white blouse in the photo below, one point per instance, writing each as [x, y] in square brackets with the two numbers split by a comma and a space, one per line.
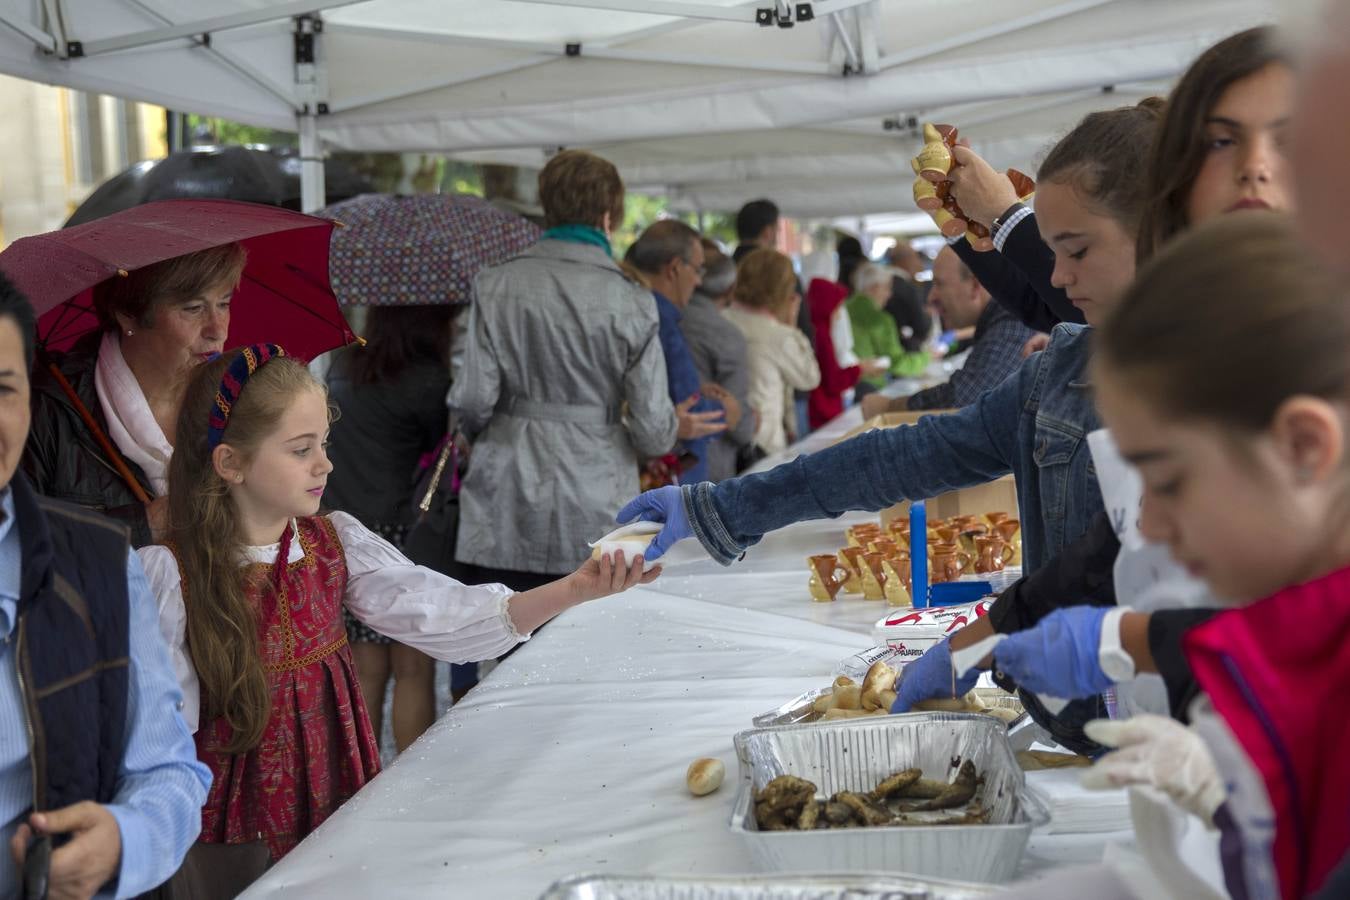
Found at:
[412, 604]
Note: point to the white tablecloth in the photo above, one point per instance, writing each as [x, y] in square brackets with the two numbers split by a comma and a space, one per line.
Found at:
[570, 757]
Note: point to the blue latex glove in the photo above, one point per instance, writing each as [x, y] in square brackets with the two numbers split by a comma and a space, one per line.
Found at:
[928, 677]
[665, 504]
[1059, 657]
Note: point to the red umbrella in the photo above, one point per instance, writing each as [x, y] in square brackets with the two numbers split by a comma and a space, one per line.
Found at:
[284, 297]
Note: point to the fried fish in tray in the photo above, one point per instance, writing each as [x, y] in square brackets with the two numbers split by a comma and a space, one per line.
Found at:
[790, 803]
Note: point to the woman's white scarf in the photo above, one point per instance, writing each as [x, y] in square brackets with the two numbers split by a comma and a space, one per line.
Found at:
[131, 424]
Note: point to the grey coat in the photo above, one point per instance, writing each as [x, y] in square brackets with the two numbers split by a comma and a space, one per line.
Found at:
[563, 389]
[721, 356]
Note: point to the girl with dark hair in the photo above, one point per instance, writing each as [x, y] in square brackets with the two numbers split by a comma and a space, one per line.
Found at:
[1221, 147]
[1247, 481]
[390, 396]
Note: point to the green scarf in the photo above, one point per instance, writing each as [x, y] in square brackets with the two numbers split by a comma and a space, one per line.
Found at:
[579, 234]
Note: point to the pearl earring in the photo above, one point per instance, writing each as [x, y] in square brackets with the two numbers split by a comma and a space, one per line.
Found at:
[239, 479]
[130, 332]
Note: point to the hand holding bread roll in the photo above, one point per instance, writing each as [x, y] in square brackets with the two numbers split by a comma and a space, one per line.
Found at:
[877, 686]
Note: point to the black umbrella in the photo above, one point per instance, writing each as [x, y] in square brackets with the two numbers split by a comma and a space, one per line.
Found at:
[256, 174]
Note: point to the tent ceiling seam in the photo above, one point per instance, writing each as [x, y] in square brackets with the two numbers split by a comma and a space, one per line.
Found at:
[224, 57]
[587, 50]
[272, 13]
[42, 39]
[1000, 29]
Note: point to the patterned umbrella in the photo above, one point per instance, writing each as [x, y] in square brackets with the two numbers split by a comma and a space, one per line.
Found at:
[420, 249]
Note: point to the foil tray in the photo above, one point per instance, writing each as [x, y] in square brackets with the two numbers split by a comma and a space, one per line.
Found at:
[799, 709]
[761, 887]
[856, 754]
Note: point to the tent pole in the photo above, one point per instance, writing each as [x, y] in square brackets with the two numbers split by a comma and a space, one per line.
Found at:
[311, 84]
[312, 188]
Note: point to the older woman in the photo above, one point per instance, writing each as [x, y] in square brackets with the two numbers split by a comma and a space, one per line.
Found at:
[875, 334]
[781, 357]
[158, 323]
[563, 387]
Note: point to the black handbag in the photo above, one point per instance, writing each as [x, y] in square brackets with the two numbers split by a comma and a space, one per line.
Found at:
[433, 520]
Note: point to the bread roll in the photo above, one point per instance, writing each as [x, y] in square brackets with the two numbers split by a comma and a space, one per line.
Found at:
[847, 697]
[704, 776]
[837, 713]
[632, 547]
[879, 681]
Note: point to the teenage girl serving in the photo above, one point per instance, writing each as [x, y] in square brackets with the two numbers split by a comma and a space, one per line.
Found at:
[1238, 417]
[251, 586]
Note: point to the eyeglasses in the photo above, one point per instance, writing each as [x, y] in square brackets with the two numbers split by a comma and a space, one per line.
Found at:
[698, 270]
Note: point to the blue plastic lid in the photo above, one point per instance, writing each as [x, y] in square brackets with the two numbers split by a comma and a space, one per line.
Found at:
[950, 592]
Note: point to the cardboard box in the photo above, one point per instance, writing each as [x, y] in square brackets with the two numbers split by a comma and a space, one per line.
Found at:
[892, 419]
[995, 496]
[999, 495]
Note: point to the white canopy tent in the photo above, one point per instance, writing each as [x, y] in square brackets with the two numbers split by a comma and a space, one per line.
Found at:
[694, 99]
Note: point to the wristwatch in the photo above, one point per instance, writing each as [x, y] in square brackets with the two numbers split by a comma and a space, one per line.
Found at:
[1115, 662]
[997, 224]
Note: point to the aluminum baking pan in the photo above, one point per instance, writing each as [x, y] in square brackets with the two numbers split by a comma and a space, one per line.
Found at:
[799, 710]
[856, 754]
[762, 887]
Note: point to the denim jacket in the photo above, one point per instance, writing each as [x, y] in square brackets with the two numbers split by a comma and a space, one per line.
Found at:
[1034, 424]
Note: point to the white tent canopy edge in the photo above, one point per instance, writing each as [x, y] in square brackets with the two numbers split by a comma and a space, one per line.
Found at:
[493, 79]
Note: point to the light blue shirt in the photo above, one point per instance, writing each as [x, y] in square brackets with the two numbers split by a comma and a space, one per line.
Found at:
[161, 786]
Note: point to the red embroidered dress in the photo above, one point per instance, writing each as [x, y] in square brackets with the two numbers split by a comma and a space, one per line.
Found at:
[318, 748]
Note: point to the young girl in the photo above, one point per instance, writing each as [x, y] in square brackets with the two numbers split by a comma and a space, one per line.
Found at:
[1238, 417]
[251, 587]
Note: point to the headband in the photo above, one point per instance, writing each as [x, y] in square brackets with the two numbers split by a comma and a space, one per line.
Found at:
[240, 370]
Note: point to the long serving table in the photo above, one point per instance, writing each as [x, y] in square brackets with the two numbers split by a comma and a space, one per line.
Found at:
[570, 756]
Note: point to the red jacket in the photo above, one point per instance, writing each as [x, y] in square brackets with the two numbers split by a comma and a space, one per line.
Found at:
[827, 400]
[1276, 672]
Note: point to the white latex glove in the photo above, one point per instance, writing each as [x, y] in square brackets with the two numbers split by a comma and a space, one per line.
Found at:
[1161, 752]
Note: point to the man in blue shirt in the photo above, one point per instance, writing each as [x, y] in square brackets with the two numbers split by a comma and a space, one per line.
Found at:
[96, 763]
[670, 255]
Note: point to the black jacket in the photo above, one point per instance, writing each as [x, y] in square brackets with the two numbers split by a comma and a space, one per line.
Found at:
[1083, 574]
[71, 646]
[1019, 278]
[62, 459]
[379, 435]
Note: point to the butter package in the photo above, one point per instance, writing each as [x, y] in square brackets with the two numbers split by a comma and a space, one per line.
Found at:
[909, 632]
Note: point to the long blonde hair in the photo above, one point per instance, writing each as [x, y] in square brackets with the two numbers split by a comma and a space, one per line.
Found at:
[205, 534]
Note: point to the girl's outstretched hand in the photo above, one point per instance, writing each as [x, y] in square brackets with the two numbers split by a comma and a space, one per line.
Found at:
[609, 575]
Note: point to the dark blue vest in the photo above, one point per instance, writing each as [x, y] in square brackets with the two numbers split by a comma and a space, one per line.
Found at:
[71, 649]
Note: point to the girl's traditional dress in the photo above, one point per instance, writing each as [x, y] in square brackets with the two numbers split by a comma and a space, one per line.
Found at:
[318, 748]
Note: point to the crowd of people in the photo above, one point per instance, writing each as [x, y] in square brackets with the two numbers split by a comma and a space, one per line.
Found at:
[203, 602]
